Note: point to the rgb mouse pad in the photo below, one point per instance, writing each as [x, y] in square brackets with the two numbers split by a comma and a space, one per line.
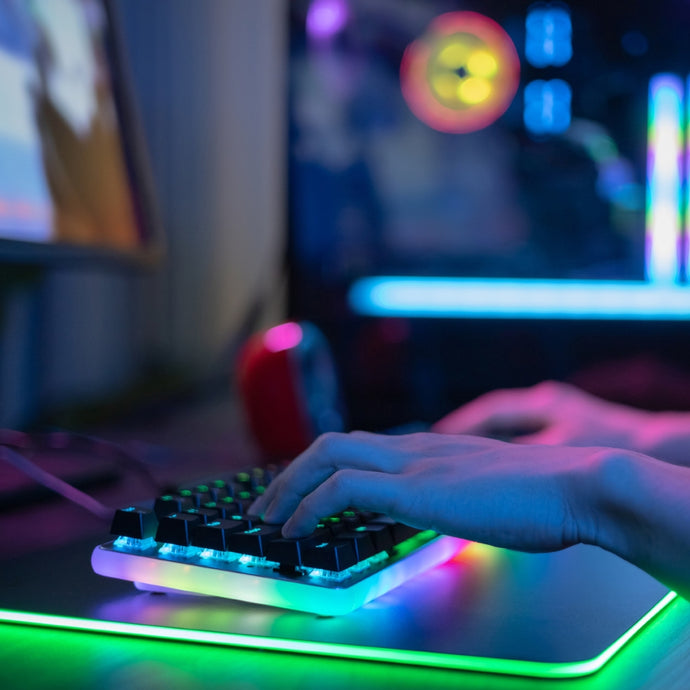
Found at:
[545, 615]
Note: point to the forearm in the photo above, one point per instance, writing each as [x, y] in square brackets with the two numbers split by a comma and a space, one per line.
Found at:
[639, 508]
[664, 435]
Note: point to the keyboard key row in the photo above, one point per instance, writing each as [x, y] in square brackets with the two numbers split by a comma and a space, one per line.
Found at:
[338, 543]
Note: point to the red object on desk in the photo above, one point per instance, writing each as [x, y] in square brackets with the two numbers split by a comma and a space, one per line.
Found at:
[288, 387]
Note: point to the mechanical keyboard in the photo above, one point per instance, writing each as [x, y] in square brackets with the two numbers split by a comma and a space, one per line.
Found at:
[202, 539]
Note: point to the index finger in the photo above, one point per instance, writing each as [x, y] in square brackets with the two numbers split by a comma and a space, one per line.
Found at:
[375, 491]
[329, 453]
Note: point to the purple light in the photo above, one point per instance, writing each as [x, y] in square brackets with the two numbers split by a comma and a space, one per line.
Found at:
[326, 18]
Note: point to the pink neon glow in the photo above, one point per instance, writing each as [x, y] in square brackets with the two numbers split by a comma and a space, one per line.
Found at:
[326, 18]
[283, 337]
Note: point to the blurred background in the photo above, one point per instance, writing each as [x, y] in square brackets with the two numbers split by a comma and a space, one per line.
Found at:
[208, 81]
[296, 150]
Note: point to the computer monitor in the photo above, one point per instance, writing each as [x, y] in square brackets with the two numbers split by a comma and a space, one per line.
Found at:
[487, 193]
[73, 181]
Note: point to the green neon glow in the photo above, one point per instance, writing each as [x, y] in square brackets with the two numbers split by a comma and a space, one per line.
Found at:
[413, 543]
[416, 658]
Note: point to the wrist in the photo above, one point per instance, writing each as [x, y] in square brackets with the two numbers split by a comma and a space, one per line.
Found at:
[643, 514]
[608, 510]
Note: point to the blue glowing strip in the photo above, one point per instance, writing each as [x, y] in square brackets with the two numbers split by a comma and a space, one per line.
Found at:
[458, 297]
[664, 178]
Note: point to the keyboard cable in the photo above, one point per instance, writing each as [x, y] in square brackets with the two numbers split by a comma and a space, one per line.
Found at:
[50, 481]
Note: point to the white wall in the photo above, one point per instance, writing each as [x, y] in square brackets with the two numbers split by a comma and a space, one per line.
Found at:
[211, 77]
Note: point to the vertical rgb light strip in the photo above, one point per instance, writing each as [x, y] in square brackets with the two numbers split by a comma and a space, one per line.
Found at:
[686, 209]
[664, 179]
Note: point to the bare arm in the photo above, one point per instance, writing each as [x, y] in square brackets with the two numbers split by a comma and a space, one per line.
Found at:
[642, 510]
[525, 497]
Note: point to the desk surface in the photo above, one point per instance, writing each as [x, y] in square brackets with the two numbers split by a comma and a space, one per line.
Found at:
[41, 658]
[659, 657]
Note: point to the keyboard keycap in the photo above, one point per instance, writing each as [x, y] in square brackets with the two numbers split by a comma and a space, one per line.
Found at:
[206, 514]
[227, 507]
[289, 551]
[254, 541]
[380, 535]
[177, 528]
[201, 494]
[398, 530]
[334, 524]
[335, 555]
[244, 498]
[137, 523]
[220, 490]
[172, 503]
[362, 544]
[350, 519]
[214, 534]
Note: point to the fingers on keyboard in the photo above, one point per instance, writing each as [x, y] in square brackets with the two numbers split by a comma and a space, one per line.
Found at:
[217, 516]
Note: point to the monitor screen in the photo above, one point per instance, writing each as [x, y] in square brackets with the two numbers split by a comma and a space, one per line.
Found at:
[484, 160]
[72, 183]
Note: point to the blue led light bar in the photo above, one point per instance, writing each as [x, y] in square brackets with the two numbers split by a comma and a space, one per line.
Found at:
[503, 298]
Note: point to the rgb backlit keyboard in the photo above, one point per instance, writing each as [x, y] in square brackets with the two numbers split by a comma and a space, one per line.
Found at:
[202, 540]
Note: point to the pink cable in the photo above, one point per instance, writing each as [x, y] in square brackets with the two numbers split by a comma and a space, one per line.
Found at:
[54, 483]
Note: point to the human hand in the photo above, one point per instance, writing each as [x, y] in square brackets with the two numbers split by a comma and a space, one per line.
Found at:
[549, 413]
[523, 497]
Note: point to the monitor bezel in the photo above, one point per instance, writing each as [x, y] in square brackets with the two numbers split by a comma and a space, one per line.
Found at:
[151, 247]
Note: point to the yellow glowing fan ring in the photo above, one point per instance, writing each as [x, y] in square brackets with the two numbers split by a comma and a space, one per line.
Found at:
[462, 74]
